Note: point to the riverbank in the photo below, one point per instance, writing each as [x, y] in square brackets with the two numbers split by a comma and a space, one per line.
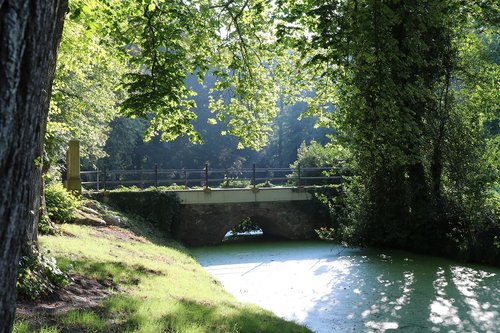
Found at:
[133, 280]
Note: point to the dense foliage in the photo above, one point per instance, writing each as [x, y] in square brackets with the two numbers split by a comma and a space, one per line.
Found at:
[86, 89]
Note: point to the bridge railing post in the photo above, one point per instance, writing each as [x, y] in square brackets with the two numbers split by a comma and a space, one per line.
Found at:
[104, 180]
[298, 174]
[97, 179]
[253, 176]
[73, 180]
[185, 178]
[206, 176]
[156, 175]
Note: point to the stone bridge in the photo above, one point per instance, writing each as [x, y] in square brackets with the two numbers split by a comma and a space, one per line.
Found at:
[204, 216]
[286, 212]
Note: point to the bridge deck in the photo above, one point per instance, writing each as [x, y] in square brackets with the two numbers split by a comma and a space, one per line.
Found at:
[236, 195]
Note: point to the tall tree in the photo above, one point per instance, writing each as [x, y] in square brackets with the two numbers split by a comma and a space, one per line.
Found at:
[86, 90]
[394, 71]
[29, 34]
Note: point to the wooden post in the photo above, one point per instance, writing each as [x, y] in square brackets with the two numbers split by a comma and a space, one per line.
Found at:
[73, 182]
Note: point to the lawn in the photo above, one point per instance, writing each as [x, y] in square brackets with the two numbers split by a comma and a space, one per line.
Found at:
[155, 286]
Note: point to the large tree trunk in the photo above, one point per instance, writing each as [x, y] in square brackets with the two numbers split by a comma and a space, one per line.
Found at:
[30, 31]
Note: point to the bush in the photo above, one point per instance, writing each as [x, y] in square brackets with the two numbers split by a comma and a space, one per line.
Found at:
[39, 276]
[318, 156]
[235, 183]
[61, 204]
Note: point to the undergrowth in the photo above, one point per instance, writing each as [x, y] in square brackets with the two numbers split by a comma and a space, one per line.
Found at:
[39, 275]
[61, 204]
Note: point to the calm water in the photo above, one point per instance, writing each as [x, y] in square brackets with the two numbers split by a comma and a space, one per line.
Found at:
[329, 288]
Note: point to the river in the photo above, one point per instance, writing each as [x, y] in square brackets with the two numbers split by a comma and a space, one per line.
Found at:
[329, 288]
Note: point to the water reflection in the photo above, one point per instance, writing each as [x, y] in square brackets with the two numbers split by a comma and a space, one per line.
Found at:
[332, 289]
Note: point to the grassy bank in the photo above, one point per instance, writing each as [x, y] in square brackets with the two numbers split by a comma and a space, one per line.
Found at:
[158, 287]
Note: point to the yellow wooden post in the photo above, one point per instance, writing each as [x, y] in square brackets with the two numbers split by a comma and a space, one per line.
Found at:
[73, 182]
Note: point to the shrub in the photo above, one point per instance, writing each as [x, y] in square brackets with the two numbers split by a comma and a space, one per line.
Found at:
[318, 156]
[122, 188]
[235, 183]
[39, 276]
[171, 187]
[61, 204]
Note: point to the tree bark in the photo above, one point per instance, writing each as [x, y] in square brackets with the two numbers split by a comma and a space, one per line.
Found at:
[30, 31]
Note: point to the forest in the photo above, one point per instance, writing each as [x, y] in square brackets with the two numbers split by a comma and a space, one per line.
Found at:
[400, 97]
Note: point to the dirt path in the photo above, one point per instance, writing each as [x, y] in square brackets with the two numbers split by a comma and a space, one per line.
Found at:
[81, 293]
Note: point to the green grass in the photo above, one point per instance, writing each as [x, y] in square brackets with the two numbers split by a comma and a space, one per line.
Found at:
[162, 288]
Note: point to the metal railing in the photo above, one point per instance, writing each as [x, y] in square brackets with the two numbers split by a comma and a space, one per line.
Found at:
[206, 177]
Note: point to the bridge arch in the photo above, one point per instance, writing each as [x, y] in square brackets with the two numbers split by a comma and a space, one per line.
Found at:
[207, 224]
[262, 221]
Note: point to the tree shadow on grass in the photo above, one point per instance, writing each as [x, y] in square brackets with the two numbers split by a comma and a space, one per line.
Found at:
[125, 313]
[144, 228]
[226, 318]
[81, 306]
[116, 271]
[189, 316]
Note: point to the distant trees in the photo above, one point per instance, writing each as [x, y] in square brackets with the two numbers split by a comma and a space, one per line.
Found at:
[290, 131]
[127, 150]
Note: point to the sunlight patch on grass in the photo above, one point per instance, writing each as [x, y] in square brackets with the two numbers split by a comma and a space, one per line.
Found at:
[25, 327]
[21, 327]
[87, 320]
